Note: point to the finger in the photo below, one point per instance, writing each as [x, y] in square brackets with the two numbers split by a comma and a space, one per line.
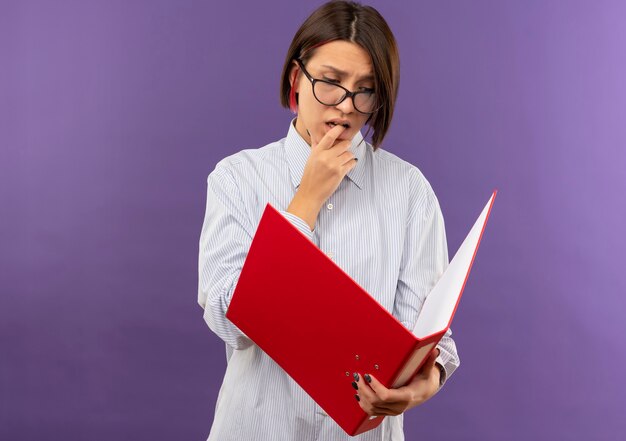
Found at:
[329, 138]
[367, 393]
[340, 148]
[372, 405]
[379, 389]
[384, 397]
[376, 409]
[345, 168]
[433, 356]
[372, 410]
[429, 364]
[370, 402]
[346, 158]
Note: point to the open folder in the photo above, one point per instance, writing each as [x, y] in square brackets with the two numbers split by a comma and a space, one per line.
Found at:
[320, 326]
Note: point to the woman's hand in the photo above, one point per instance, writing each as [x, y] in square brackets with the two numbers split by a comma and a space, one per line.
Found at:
[376, 399]
[326, 166]
[328, 163]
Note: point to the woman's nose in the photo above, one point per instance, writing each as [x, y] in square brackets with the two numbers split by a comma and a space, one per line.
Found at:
[346, 106]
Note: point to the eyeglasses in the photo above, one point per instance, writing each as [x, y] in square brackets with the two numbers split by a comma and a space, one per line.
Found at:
[332, 94]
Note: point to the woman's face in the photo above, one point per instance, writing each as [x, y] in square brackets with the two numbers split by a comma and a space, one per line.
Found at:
[346, 62]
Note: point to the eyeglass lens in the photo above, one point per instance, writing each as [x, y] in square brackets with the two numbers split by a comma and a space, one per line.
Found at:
[331, 94]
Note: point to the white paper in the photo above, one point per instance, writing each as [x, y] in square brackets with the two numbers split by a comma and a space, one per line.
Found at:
[439, 305]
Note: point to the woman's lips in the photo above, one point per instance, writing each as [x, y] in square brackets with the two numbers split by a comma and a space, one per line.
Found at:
[333, 124]
[342, 136]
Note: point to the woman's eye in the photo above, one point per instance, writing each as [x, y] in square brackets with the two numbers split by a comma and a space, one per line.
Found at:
[331, 80]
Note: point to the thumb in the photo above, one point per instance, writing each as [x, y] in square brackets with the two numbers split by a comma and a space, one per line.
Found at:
[430, 361]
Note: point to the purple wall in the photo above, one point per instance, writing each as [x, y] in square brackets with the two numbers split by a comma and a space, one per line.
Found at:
[113, 113]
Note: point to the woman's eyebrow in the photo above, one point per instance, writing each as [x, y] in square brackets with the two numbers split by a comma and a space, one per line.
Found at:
[342, 73]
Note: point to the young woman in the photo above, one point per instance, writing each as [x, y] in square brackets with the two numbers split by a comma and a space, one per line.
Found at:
[373, 213]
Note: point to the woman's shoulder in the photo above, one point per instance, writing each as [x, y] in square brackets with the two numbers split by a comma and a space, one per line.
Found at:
[399, 169]
[248, 159]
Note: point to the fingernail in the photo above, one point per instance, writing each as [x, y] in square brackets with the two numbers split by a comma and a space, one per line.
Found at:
[354, 385]
[356, 377]
[357, 397]
[367, 378]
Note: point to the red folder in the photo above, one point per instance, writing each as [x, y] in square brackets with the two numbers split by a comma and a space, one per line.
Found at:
[308, 315]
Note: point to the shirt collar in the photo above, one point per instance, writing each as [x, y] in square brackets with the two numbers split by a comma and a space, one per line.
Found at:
[297, 152]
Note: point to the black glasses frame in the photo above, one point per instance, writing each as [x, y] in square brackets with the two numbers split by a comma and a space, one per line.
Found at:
[346, 95]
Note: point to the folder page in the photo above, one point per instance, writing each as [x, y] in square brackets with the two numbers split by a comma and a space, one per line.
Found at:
[440, 304]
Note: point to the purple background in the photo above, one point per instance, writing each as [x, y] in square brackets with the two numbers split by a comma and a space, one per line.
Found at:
[113, 113]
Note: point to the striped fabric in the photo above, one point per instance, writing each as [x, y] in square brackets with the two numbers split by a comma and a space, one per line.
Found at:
[383, 226]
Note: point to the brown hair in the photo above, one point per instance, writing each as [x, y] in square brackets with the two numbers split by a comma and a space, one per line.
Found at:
[363, 25]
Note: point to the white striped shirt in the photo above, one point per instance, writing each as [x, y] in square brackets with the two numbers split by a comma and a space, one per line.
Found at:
[383, 226]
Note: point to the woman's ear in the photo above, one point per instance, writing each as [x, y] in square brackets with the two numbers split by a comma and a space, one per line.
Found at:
[293, 80]
[293, 75]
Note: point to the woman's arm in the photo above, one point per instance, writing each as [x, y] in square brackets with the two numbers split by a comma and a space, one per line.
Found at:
[424, 259]
[224, 243]
[227, 233]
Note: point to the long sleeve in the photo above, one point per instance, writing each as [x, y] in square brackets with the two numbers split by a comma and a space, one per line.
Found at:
[226, 236]
[224, 243]
[424, 259]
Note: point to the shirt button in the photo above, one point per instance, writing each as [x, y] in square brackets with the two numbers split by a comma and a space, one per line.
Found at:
[330, 254]
[329, 206]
